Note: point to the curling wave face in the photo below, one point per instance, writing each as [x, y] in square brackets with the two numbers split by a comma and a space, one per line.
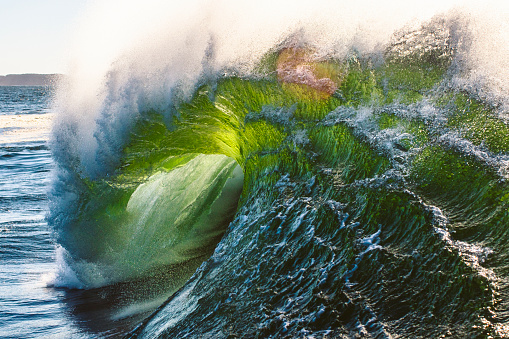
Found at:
[374, 194]
[176, 215]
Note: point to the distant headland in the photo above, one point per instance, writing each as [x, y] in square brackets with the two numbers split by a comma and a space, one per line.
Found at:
[30, 79]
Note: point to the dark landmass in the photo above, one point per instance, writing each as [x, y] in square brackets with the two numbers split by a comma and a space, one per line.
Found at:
[30, 79]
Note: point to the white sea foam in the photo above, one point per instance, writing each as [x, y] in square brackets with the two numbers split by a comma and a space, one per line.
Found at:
[472, 254]
[64, 276]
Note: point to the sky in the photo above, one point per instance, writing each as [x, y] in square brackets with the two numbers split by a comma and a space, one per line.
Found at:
[35, 35]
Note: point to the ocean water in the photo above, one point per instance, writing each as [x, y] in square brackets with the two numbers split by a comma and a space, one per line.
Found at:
[29, 306]
[304, 175]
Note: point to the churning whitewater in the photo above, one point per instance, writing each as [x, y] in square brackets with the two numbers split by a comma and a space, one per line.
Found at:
[288, 171]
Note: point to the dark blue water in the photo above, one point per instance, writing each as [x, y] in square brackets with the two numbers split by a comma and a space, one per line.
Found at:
[25, 100]
[30, 307]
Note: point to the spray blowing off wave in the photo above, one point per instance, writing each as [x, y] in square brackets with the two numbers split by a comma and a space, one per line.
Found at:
[153, 57]
[345, 178]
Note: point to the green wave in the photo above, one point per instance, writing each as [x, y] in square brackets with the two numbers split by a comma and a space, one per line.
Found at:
[380, 210]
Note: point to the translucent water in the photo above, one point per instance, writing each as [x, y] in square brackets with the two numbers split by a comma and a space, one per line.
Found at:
[303, 175]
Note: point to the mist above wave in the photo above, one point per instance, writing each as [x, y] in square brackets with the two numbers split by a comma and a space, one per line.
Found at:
[129, 58]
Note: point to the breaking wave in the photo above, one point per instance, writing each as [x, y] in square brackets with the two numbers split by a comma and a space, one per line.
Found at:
[333, 169]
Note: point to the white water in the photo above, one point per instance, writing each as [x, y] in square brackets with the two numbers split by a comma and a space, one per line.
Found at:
[130, 56]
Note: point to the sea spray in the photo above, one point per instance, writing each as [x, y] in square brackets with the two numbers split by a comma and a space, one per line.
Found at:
[128, 74]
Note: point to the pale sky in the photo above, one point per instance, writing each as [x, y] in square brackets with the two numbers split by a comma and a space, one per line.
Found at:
[35, 34]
